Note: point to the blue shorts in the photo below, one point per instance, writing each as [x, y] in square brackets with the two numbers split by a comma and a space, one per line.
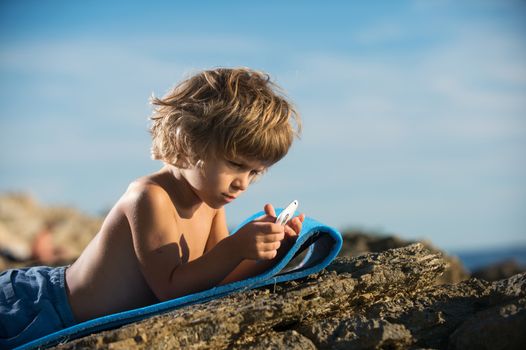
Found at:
[33, 303]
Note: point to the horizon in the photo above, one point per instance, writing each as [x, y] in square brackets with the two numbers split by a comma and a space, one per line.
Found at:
[413, 112]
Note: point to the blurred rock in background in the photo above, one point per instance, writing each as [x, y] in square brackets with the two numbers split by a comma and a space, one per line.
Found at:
[358, 242]
[499, 270]
[31, 234]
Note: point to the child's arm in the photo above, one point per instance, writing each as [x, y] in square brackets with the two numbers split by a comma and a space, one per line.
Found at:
[156, 240]
[248, 268]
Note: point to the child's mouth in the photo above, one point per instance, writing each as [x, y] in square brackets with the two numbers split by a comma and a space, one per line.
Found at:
[228, 197]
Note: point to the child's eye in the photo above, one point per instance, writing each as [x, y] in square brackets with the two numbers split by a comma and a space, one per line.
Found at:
[235, 165]
[255, 176]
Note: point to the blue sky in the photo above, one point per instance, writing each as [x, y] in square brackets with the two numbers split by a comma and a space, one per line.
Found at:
[414, 112]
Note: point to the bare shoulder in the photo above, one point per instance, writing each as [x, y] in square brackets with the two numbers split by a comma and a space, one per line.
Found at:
[145, 189]
[145, 199]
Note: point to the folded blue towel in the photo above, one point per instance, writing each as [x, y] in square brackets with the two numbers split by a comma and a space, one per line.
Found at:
[316, 246]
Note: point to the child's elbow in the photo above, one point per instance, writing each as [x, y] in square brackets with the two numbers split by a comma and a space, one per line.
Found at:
[163, 290]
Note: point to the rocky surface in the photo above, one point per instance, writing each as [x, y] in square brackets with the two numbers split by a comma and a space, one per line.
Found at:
[499, 270]
[356, 242]
[386, 300]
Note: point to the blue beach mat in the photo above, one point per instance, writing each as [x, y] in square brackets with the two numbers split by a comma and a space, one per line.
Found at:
[316, 246]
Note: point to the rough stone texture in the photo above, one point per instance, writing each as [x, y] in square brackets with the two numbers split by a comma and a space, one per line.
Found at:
[385, 300]
[289, 339]
[499, 327]
[357, 332]
[358, 242]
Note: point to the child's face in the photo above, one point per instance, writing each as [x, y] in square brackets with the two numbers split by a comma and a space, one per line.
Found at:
[220, 181]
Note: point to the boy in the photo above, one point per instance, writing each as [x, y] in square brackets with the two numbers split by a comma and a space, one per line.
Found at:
[167, 235]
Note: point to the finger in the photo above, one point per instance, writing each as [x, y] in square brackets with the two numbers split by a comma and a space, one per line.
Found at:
[272, 227]
[269, 210]
[269, 255]
[267, 247]
[295, 224]
[272, 237]
[275, 237]
[289, 232]
[270, 214]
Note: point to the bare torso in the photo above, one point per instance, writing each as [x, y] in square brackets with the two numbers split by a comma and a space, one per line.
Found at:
[107, 277]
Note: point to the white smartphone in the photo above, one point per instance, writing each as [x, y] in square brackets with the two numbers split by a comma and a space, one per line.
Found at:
[287, 213]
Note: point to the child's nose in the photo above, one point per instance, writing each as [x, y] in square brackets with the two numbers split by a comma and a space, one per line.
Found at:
[241, 182]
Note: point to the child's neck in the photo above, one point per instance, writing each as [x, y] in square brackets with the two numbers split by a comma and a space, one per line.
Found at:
[187, 202]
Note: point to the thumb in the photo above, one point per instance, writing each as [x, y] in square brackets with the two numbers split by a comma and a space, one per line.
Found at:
[269, 210]
[270, 214]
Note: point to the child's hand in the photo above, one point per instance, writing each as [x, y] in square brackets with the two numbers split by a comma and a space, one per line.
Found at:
[293, 227]
[260, 239]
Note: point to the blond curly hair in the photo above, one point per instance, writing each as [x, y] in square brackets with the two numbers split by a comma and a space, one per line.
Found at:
[226, 112]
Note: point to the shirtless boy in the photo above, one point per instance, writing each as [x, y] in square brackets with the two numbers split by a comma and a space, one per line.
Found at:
[215, 133]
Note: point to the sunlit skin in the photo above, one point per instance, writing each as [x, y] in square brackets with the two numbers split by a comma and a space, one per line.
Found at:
[167, 236]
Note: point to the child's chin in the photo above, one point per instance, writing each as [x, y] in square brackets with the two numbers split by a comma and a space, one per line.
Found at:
[216, 205]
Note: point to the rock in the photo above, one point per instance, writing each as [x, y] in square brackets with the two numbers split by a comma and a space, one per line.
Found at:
[21, 215]
[498, 327]
[500, 270]
[358, 332]
[288, 339]
[360, 242]
[15, 247]
[22, 219]
[376, 300]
